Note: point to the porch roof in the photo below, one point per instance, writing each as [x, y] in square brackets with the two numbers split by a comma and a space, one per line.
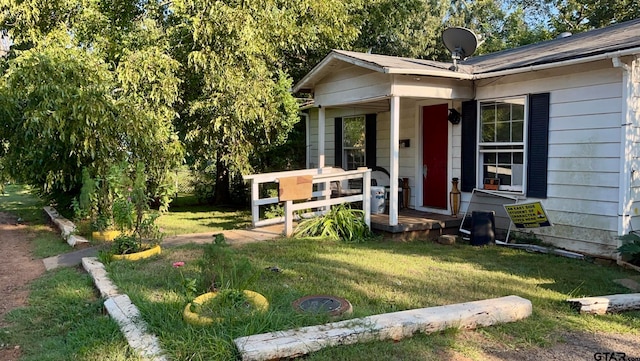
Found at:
[616, 40]
[382, 64]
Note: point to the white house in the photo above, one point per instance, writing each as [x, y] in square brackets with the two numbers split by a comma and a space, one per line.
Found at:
[556, 122]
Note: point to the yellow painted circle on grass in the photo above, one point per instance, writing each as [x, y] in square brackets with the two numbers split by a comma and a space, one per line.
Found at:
[258, 301]
[138, 255]
[104, 235]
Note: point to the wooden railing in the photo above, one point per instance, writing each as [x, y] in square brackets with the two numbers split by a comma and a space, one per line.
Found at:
[321, 196]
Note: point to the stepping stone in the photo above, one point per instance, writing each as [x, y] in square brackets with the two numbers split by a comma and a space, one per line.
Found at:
[629, 283]
[447, 239]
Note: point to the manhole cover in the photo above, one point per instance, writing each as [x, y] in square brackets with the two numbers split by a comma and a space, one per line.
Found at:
[332, 305]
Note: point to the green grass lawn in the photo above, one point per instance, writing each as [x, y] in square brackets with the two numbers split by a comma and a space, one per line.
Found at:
[376, 277]
[187, 216]
[65, 320]
[22, 202]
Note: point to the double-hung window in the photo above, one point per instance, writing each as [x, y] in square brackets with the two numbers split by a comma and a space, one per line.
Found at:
[501, 143]
[354, 142]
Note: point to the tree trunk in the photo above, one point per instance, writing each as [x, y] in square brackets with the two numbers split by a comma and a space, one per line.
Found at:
[222, 193]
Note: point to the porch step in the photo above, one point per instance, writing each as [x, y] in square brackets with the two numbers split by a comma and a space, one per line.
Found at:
[414, 224]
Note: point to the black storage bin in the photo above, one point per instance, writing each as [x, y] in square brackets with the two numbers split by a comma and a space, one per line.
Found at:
[483, 228]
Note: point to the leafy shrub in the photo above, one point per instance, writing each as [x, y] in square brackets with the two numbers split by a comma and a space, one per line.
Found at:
[631, 249]
[125, 244]
[341, 222]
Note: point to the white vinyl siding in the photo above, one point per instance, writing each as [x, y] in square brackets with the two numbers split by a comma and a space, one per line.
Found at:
[584, 157]
[351, 84]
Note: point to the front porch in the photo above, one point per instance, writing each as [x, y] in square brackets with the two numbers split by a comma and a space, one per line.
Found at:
[413, 224]
[410, 224]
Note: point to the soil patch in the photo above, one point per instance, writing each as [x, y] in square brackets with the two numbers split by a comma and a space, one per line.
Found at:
[17, 269]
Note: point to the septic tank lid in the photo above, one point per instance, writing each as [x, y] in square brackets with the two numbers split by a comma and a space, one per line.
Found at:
[331, 305]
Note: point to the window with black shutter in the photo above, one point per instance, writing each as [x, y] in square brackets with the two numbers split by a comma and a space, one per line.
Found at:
[494, 143]
[538, 147]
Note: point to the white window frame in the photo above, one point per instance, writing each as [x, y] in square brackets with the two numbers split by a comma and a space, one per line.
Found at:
[490, 147]
[346, 148]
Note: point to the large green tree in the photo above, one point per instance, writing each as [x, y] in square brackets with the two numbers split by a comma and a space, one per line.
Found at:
[239, 55]
[86, 87]
[408, 28]
[580, 15]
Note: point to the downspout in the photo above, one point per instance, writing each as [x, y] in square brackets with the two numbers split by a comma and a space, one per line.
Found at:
[626, 143]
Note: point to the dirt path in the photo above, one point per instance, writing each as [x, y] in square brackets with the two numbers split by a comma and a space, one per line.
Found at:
[17, 270]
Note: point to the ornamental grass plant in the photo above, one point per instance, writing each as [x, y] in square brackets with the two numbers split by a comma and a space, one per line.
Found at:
[340, 222]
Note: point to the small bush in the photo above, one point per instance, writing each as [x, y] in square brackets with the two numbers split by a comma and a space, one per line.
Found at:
[341, 222]
[125, 244]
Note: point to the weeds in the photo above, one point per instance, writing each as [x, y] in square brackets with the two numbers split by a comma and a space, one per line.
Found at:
[631, 249]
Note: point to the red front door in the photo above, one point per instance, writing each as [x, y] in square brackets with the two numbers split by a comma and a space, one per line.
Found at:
[435, 144]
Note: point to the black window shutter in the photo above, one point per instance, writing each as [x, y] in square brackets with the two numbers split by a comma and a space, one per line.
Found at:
[370, 139]
[469, 151]
[338, 142]
[538, 145]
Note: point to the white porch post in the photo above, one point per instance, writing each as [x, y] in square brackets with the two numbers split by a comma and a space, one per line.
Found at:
[307, 144]
[321, 131]
[394, 170]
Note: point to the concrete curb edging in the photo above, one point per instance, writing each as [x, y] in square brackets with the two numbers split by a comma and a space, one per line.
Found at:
[66, 227]
[125, 313]
[394, 326]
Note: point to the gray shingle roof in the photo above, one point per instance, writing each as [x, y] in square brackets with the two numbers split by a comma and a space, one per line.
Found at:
[396, 64]
[613, 38]
[609, 40]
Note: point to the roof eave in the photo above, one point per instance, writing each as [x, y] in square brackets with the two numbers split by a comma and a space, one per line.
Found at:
[431, 72]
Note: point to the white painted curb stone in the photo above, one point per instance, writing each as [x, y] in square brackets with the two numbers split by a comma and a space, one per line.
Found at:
[125, 313]
[394, 326]
[66, 227]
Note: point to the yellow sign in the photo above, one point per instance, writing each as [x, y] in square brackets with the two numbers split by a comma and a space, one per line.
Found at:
[528, 215]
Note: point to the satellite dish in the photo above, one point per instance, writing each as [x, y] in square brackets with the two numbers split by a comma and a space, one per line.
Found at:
[461, 42]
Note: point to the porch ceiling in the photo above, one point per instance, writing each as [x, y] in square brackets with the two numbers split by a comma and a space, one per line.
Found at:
[379, 105]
